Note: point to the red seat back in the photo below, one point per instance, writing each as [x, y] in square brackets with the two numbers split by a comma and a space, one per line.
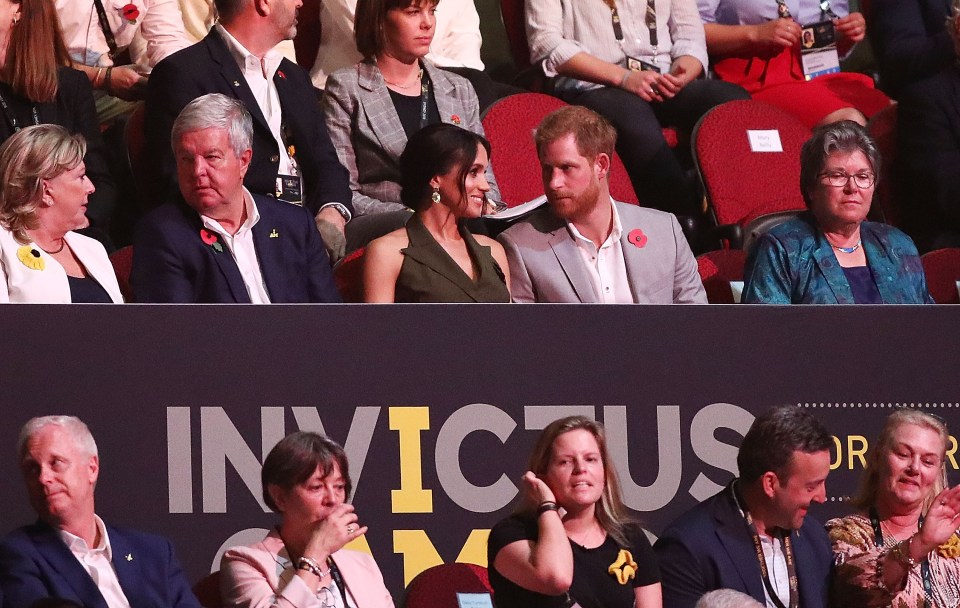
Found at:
[742, 184]
[307, 41]
[437, 587]
[942, 268]
[513, 22]
[122, 260]
[509, 125]
[717, 269]
[348, 275]
[208, 591]
[883, 129]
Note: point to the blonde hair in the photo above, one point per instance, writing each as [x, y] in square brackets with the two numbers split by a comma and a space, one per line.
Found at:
[610, 510]
[867, 492]
[30, 156]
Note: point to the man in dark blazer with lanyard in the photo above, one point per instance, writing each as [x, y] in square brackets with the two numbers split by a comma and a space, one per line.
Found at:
[754, 536]
[216, 242]
[70, 553]
[293, 158]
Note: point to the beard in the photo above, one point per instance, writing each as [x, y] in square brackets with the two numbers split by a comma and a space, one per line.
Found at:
[570, 206]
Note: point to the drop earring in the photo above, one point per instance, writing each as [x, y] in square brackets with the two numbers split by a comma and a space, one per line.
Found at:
[435, 197]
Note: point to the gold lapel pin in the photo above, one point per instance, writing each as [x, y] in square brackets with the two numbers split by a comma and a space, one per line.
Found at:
[236, 83]
[129, 557]
[274, 234]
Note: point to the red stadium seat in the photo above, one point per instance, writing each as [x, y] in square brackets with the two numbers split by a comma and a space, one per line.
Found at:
[883, 128]
[122, 260]
[208, 591]
[509, 125]
[717, 269]
[437, 587]
[307, 42]
[741, 184]
[348, 275]
[942, 268]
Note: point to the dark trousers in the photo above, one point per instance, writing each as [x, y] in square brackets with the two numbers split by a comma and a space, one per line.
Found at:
[657, 176]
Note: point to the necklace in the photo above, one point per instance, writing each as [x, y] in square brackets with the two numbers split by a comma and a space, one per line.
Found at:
[62, 243]
[408, 85]
[848, 249]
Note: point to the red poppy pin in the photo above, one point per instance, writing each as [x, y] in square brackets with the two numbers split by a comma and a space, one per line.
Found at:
[637, 238]
[130, 13]
[211, 239]
[455, 119]
[281, 75]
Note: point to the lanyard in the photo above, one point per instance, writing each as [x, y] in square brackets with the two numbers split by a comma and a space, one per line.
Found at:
[783, 11]
[105, 27]
[787, 553]
[651, 21]
[924, 565]
[615, 18]
[12, 118]
[337, 579]
[424, 100]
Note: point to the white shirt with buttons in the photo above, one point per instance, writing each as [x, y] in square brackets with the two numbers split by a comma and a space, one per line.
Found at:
[98, 562]
[605, 264]
[243, 250]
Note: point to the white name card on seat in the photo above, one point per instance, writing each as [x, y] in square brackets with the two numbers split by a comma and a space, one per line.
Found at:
[474, 600]
[736, 289]
[765, 141]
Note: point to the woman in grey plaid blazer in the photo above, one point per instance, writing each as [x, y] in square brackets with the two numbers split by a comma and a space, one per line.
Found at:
[372, 108]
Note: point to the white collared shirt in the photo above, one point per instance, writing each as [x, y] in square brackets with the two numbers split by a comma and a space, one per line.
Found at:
[259, 76]
[605, 264]
[98, 563]
[777, 570]
[243, 250]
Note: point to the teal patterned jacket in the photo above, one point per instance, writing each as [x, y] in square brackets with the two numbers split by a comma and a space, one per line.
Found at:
[794, 264]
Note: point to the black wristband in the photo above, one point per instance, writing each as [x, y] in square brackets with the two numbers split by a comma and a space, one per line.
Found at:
[546, 506]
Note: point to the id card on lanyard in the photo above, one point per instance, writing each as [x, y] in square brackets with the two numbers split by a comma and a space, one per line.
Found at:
[650, 20]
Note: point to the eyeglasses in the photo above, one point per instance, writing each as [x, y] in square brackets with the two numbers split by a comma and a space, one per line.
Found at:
[839, 179]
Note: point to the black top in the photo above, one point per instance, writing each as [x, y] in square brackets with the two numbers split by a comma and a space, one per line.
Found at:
[594, 586]
[86, 290]
[862, 285]
[408, 110]
[74, 110]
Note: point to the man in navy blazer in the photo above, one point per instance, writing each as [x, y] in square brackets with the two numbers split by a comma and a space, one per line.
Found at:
[236, 55]
[219, 243]
[784, 461]
[70, 553]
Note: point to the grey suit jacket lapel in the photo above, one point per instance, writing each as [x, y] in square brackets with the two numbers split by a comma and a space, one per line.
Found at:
[381, 116]
[444, 93]
[572, 264]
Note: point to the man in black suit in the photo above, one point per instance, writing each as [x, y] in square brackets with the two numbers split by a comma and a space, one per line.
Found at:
[293, 158]
[217, 242]
[755, 535]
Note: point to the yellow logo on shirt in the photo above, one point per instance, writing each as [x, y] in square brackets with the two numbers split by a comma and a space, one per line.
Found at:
[624, 568]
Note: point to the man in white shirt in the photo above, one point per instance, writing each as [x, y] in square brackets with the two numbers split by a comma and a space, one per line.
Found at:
[70, 553]
[216, 242]
[584, 246]
[754, 535]
[293, 158]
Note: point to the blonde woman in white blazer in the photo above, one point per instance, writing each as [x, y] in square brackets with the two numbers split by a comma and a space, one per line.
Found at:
[43, 199]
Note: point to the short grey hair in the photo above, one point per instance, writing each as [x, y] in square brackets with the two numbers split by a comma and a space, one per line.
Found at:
[727, 598]
[844, 136]
[75, 427]
[216, 111]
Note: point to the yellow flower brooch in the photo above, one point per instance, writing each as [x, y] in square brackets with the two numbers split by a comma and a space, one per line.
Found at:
[624, 568]
[30, 258]
[951, 548]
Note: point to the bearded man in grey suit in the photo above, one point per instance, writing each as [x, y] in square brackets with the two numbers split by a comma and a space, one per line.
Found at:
[584, 246]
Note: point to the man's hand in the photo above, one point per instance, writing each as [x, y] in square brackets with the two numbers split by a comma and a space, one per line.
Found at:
[643, 85]
[331, 225]
[126, 83]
